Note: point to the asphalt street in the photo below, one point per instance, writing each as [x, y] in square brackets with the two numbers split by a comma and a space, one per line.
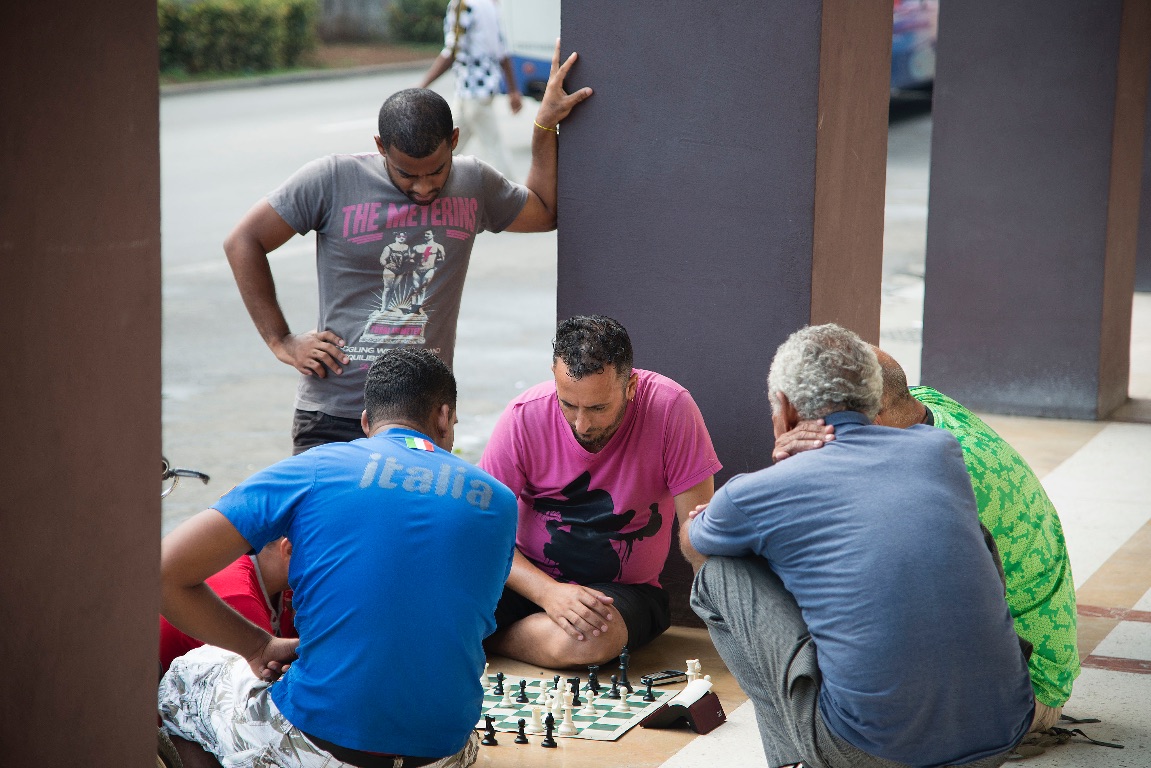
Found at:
[227, 402]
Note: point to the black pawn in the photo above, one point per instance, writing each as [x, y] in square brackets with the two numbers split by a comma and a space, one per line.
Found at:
[549, 726]
[648, 695]
[522, 696]
[499, 689]
[593, 679]
[521, 737]
[614, 692]
[489, 739]
[555, 682]
[624, 658]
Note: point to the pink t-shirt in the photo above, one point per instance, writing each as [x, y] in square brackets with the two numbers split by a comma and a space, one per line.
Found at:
[591, 518]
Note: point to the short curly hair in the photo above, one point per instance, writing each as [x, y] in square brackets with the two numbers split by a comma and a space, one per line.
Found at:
[823, 369]
[408, 385]
[416, 121]
[589, 343]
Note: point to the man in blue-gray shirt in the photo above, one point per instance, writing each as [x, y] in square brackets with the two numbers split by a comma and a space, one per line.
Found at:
[850, 590]
[400, 554]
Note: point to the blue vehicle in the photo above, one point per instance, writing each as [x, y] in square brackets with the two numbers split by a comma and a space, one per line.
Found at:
[532, 27]
[914, 31]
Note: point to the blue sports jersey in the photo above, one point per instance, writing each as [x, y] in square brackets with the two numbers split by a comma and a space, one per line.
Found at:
[400, 551]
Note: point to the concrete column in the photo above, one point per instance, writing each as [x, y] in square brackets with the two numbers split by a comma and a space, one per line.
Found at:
[724, 187]
[1035, 176]
[80, 281]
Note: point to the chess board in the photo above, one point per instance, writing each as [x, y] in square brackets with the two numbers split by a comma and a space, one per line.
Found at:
[607, 725]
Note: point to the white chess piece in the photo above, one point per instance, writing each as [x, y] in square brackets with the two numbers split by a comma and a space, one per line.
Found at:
[484, 677]
[536, 724]
[622, 705]
[567, 727]
[562, 699]
[589, 707]
[506, 701]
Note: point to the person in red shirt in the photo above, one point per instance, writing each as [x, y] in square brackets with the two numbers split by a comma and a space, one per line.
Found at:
[256, 586]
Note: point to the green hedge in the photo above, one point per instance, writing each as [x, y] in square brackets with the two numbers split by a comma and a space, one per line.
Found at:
[235, 35]
[418, 21]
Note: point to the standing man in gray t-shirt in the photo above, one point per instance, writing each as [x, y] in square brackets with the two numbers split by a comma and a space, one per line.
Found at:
[357, 204]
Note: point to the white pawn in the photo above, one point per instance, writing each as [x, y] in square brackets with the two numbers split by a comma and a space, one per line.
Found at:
[567, 727]
[484, 677]
[506, 701]
[622, 705]
[536, 724]
[589, 707]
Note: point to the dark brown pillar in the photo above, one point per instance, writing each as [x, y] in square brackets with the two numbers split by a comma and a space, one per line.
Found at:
[80, 280]
[1143, 248]
[724, 187]
[1035, 176]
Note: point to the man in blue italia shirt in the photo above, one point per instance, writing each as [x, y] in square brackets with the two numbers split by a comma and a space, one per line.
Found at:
[400, 553]
[850, 590]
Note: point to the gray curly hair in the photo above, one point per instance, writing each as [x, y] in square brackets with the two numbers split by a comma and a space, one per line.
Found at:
[823, 369]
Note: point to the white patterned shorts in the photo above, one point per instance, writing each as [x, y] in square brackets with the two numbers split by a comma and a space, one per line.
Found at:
[210, 696]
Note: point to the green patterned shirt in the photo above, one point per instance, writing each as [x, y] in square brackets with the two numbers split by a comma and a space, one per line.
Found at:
[1015, 508]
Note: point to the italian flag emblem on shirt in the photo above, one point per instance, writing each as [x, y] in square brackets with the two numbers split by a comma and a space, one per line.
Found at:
[419, 444]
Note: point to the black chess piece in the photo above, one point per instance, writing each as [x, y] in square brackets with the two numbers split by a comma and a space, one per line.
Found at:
[648, 695]
[489, 739]
[624, 659]
[614, 692]
[576, 700]
[499, 689]
[522, 696]
[593, 679]
[549, 726]
[521, 737]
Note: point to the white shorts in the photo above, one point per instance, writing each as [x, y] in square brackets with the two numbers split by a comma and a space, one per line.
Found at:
[210, 696]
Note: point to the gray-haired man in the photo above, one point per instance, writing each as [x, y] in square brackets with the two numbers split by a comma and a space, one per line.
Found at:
[850, 590]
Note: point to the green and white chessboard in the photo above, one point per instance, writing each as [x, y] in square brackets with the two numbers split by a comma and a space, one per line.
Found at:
[607, 725]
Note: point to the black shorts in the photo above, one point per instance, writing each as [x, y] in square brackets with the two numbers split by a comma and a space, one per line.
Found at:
[312, 428]
[644, 609]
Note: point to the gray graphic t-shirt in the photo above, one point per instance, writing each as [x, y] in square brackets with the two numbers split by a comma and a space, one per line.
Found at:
[391, 272]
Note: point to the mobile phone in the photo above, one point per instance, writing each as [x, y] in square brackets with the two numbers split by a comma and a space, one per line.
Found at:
[665, 677]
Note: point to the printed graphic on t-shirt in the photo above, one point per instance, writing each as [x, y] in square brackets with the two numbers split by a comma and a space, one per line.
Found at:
[408, 264]
[586, 539]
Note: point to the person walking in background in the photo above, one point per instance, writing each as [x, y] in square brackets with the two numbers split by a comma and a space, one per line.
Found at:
[476, 52]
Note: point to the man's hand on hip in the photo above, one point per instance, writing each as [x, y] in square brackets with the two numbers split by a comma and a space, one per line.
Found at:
[312, 353]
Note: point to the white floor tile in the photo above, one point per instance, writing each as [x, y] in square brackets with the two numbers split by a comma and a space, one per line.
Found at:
[1129, 640]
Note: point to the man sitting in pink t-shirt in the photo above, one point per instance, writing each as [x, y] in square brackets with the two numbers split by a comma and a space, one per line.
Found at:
[597, 459]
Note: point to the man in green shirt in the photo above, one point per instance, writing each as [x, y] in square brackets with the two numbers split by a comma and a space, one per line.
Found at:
[1015, 509]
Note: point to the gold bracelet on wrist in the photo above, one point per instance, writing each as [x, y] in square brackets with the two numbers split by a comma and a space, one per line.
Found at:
[555, 130]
